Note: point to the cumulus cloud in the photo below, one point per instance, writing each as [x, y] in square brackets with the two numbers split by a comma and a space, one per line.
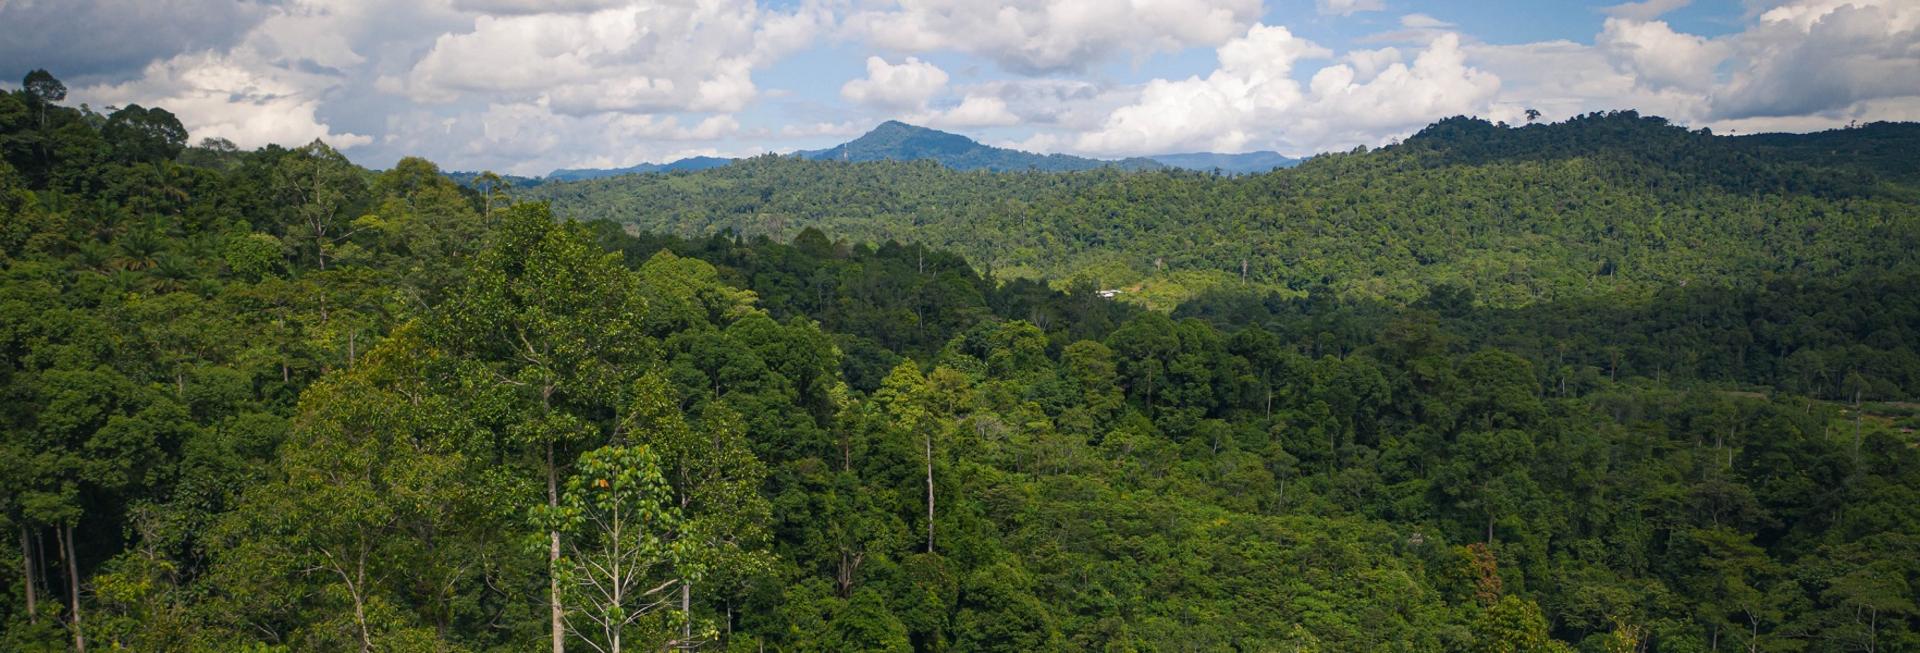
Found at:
[1251, 99]
[1823, 55]
[268, 87]
[1798, 65]
[639, 57]
[1659, 56]
[1368, 63]
[1400, 97]
[226, 97]
[1039, 36]
[907, 85]
[1070, 104]
[529, 139]
[1347, 7]
[529, 85]
[973, 111]
[1214, 112]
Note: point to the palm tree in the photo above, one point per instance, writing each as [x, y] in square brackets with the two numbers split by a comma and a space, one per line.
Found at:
[138, 250]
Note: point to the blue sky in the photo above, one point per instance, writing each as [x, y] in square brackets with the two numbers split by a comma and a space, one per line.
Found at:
[526, 86]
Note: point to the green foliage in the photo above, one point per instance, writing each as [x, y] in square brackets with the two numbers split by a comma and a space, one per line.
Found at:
[1602, 203]
[270, 401]
[618, 518]
[898, 141]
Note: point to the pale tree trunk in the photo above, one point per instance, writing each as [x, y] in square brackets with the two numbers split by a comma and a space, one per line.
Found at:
[26, 564]
[65, 534]
[553, 559]
[929, 492]
[360, 611]
[686, 615]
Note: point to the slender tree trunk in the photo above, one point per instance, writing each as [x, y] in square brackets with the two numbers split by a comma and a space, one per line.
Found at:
[1856, 426]
[40, 560]
[26, 563]
[65, 535]
[360, 619]
[929, 492]
[686, 615]
[553, 559]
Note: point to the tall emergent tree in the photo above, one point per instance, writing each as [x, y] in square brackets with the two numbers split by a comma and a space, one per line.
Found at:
[620, 562]
[548, 328]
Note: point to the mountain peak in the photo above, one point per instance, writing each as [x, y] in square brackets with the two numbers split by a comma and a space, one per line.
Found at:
[898, 141]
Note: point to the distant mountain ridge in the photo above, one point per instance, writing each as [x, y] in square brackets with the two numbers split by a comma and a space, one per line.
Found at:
[1235, 164]
[898, 141]
[689, 163]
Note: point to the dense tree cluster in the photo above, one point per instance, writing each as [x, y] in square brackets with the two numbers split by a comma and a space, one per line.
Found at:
[271, 401]
[1518, 215]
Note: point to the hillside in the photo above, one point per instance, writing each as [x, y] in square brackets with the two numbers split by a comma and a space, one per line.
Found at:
[1519, 215]
[272, 401]
[689, 163]
[897, 141]
[1236, 164]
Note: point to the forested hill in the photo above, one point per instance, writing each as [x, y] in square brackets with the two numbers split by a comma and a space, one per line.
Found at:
[1646, 150]
[1242, 163]
[897, 141]
[1594, 205]
[269, 401]
[689, 163]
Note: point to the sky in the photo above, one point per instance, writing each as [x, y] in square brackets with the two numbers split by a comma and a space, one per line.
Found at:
[527, 86]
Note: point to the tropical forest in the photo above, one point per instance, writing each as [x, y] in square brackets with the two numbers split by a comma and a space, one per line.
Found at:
[1607, 384]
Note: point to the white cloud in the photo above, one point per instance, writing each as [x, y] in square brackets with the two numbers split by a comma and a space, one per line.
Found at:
[819, 129]
[1660, 57]
[1821, 55]
[641, 57]
[907, 85]
[229, 97]
[528, 85]
[513, 7]
[1252, 101]
[1644, 10]
[529, 139]
[1348, 7]
[1415, 28]
[1252, 82]
[1368, 63]
[1400, 97]
[270, 87]
[1423, 21]
[1036, 36]
[1069, 104]
[1799, 65]
[974, 111]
